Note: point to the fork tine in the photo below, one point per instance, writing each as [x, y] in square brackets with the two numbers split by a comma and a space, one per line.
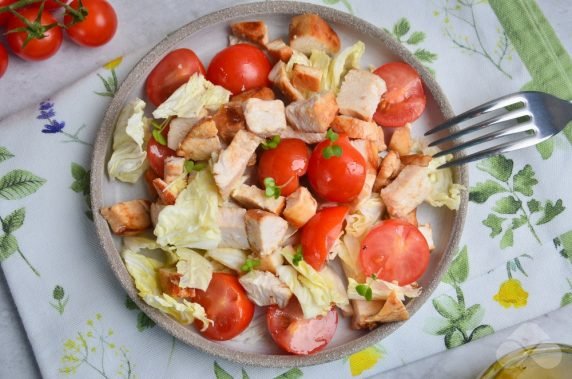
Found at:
[505, 147]
[488, 137]
[480, 110]
[498, 120]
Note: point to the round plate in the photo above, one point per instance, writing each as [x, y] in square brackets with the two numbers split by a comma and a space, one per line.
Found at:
[381, 47]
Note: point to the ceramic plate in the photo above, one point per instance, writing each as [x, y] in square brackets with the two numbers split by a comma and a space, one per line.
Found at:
[206, 36]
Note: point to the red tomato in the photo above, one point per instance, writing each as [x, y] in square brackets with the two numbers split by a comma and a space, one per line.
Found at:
[171, 72]
[320, 233]
[97, 28]
[3, 60]
[297, 335]
[337, 179]
[285, 163]
[53, 4]
[239, 68]
[404, 100]
[36, 49]
[395, 250]
[156, 153]
[5, 15]
[227, 305]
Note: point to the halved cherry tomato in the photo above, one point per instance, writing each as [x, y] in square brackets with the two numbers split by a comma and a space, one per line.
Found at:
[97, 28]
[227, 305]
[36, 49]
[404, 100]
[3, 60]
[239, 68]
[394, 250]
[156, 153]
[297, 335]
[5, 15]
[337, 179]
[171, 72]
[320, 233]
[285, 163]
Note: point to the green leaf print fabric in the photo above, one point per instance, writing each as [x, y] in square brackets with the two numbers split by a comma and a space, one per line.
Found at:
[518, 228]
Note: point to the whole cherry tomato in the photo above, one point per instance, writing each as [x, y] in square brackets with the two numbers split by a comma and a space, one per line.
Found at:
[170, 73]
[3, 60]
[96, 28]
[51, 5]
[239, 68]
[5, 15]
[38, 48]
[285, 163]
[337, 178]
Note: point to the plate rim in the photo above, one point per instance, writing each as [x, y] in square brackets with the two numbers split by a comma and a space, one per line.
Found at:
[105, 132]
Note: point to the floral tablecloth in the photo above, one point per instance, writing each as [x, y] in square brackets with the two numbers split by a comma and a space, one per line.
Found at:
[514, 263]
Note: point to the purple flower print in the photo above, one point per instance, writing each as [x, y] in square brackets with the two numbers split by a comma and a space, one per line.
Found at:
[53, 126]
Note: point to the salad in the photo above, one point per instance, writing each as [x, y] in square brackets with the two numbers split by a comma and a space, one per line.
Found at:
[283, 176]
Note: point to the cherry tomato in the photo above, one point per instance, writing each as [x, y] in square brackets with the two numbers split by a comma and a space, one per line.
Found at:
[340, 178]
[239, 68]
[297, 335]
[285, 163]
[171, 72]
[156, 153]
[51, 5]
[404, 100]
[227, 305]
[3, 60]
[320, 233]
[394, 250]
[5, 15]
[97, 28]
[36, 49]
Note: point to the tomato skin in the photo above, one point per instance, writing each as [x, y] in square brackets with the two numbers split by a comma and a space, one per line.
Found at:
[4, 16]
[51, 5]
[227, 305]
[320, 233]
[404, 101]
[394, 250]
[170, 73]
[36, 49]
[297, 335]
[288, 161]
[239, 68]
[156, 153]
[338, 179]
[98, 27]
[3, 60]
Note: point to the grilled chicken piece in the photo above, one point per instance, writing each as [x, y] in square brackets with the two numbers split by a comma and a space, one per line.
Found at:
[264, 118]
[262, 93]
[388, 170]
[169, 280]
[129, 217]
[359, 129]
[363, 310]
[154, 211]
[232, 228]
[229, 119]
[167, 194]
[407, 191]
[265, 231]
[279, 50]
[393, 310]
[427, 232]
[174, 168]
[306, 78]
[309, 138]
[233, 160]
[416, 159]
[178, 129]
[201, 141]
[264, 288]
[366, 190]
[400, 141]
[311, 32]
[253, 197]
[300, 207]
[253, 31]
[369, 150]
[360, 93]
[313, 115]
[279, 78]
[271, 262]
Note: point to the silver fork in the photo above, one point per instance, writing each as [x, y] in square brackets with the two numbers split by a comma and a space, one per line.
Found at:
[529, 117]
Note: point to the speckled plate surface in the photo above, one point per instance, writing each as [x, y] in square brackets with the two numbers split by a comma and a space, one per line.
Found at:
[206, 36]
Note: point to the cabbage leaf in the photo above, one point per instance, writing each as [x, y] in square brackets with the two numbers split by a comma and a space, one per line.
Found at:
[196, 271]
[381, 289]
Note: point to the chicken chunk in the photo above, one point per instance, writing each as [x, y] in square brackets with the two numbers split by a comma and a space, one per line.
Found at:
[427, 232]
[264, 288]
[311, 32]
[306, 78]
[300, 207]
[169, 280]
[280, 79]
[416, 159]
[174, 167]
[167, 194]
[233, 160]
[264, 118]
[262, 93]
[366, 190]
[309, 138]
[229, 119]
[265, 230]
[359, 129]
[400, 141]
[253, 197]
[388, 170]
[279, 50]
[407, 191]
[201, 141]
[129, 217]
[360, 93]
[369, 150]
[271, 262]
[363, 310]
[232, 228]
[253, 31]
[393, 310]
[178, 130]
[314, 114]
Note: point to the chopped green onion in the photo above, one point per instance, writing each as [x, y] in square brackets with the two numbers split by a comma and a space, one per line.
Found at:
[250, 265]
[271, 189]
[159, 137]
[271, 143]
[194, 166]
[332, 136]
[298, 257]
[332, 151]
[365, 291]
